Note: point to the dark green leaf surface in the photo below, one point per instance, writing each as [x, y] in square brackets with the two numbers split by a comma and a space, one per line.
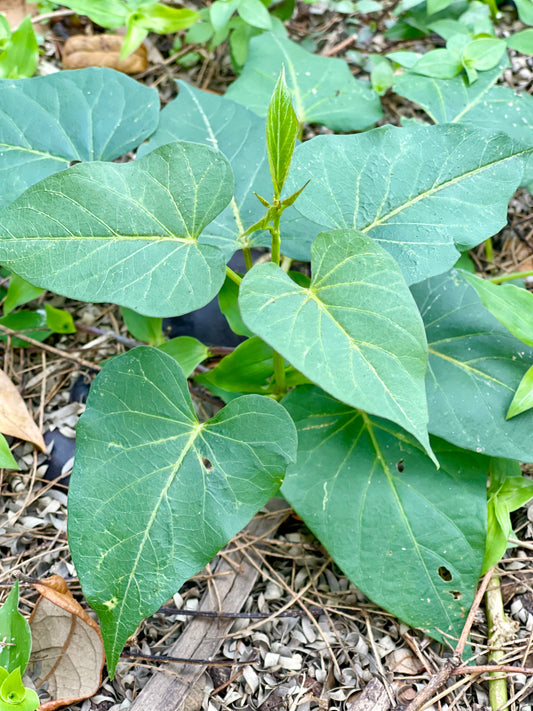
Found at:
[415, 190]
[355, 331]
[388, 518]
[126, 233]
[324, 90]
[86, 115]
[15, 630]
[154, 495]
[475, 366]
[480, 105]
[239, 134]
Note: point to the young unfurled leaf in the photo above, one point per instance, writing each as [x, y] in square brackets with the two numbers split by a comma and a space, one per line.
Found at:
[19, 292]
[14, 696]
[187, 351]
[147, 329]
[281, 133]
[7, 460]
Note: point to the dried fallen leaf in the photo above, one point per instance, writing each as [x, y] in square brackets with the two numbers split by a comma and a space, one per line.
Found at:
[402, 661]
[15, 419]
[67, 652]
[102, 51]
[16, 11]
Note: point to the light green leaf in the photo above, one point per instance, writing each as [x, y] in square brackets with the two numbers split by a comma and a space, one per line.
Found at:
[107, 13]
[281, 133]
[228, 300]
[484, 53]
[239, 134]
[144, 328]
[254, 13]
[165, 493]
[162, 19]
[19, 292]
[14, 696]
[434, 6]
[382, 77]
[20, 55]
[512, 306]
[368, 347]
[187, 351]
[324, 90]
[107, 114]
[249, 369]
[134, 37]
[475, 366]
[59, 320]
[15, 630]
[525, 11]
[7, 460]
[521, 41]
[34, 322]
[126, 233]
[220, 12]
[523, 397]
[448, 28]
[439, 63]
[410, 537]
[404, 58]
[415, 190]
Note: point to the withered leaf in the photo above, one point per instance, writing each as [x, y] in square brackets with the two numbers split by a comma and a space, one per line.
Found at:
[67, 653]
[15, 419]
[102, 51]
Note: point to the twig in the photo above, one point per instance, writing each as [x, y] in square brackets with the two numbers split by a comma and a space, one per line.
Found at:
[501, 630]
[49, 349]
[52, 15]
[185, 660]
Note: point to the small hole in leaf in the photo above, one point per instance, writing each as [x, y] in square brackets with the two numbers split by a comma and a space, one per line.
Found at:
[445, 574]
[400, 466]
[73, 162]
[456, 594]
[207, 463]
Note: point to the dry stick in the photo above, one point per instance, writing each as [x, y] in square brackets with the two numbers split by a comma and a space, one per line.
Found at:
[188, 660]
[442, 676]
[49, 349]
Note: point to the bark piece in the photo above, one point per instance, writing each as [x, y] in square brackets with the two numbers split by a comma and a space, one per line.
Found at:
[102, 51]
[204, 637]
[373, 698]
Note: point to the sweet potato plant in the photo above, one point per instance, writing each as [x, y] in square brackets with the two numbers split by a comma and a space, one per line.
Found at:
[374, 393]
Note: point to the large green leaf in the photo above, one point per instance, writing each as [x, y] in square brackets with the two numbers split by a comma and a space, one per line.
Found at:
[324, 90]
[416, 190]
[410, 537]
[126, 233]
[475, 366]
[355, 331]
[154, 494]
[86, 114]
[15, 630]
[239, 134]
[480, 105]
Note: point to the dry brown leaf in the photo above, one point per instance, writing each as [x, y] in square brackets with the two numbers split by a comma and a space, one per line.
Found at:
[102, 51]
[402, 661]
[15, 419]
[16, 11]
[67, 648]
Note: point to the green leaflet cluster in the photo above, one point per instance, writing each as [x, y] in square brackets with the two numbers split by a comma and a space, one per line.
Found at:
[384, 344]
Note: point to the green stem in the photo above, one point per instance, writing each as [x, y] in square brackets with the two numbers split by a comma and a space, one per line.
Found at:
[279, 374]
[511, 277]
[501, 631]
[276, 238]
[234, 277]
[247, 254]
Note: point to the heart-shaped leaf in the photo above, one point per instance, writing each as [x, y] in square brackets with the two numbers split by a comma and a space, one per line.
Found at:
[202, 117]
[410, 537]
[479, 105]
[416, 190]
[368, 347]
[324, 90]
[475, 367]
[106, 115]
[154, 494]
[126, 233]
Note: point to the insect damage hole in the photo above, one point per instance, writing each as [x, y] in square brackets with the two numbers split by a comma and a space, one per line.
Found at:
[456, 594]
[445, 574]
[208, 464]
[400, 466]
